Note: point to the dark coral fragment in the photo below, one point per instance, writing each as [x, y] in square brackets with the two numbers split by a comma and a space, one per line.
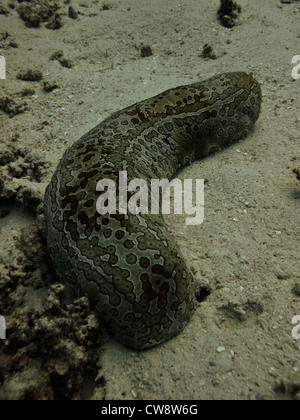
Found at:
[228, 13]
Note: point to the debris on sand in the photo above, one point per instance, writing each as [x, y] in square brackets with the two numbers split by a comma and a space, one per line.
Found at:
[3, 10]
[228, 13]
[146, 51]
[297, 172]
[11, 107]
[59, 56]
[30, 75]
[207, 53]
[72, 13]
[36, 11]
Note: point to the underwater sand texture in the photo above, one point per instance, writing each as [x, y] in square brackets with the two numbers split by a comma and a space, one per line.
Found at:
[64, 79]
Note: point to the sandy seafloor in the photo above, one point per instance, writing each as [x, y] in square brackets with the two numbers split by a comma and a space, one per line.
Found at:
[245, 256]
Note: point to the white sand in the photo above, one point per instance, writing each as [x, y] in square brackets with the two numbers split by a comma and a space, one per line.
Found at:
[251, 264]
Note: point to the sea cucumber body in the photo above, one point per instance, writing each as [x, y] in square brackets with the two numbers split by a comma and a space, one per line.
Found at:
[129, 264]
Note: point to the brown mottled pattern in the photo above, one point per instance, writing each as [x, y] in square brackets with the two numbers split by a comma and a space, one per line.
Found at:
[129, 264]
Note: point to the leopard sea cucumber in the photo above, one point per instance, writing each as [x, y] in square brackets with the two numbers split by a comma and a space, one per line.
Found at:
[130, 265]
